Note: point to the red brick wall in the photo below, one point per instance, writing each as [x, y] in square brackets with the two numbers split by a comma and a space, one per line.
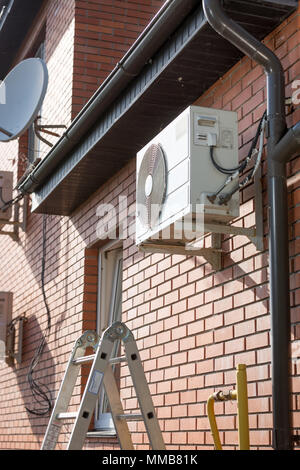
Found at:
[193, 325]
[67, 266]
[104, 31]
[59, 56]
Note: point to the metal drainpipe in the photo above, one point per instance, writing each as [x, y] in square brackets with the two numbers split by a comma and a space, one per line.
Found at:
[278, 216]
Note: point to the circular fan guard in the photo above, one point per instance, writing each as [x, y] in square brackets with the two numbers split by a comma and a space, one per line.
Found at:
[151, 187]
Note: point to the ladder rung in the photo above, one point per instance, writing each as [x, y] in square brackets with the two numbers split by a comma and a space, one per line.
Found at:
[116, 360]
[84, 359]
[131, 417]
[68, 415]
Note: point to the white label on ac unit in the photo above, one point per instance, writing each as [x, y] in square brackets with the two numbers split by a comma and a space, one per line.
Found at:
[227, 138]
[203, 127]
[95, 383]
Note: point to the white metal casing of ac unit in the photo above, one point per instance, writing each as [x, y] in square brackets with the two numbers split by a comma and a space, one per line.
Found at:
[191, 175]
[6, 191]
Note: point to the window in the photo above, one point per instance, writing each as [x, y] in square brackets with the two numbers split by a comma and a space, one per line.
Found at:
[33, 140]
[109, 310]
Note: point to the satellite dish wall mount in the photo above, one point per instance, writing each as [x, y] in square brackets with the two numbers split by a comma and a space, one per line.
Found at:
[38, 128]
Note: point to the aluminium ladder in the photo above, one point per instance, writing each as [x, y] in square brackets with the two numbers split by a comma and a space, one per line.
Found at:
[102, 372]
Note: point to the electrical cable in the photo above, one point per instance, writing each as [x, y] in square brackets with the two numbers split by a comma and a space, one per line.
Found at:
[234, 172]
[250, 176]
[14, 321]
[261, 146]
[225, 171]
[243, 165]
[8, 204]
[40, 392]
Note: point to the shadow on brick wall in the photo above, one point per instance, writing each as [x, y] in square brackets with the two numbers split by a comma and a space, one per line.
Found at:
[246, 283]
[44, 375]
[33, 246]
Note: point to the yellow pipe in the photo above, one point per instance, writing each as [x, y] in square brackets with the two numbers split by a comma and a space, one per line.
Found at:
[242, 405]
[219, 396]
[241, 395]
[213, 423]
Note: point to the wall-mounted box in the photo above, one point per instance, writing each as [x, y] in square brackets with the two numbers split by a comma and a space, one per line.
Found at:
[6, 192]
[5, 319]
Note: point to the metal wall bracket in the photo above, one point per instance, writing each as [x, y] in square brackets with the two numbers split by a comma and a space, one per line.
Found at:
[213, 255]
[255, 234]
[38, 128]
[259, 214]
[16, 223]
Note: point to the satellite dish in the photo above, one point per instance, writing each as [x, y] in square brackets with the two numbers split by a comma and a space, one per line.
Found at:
[22, 94]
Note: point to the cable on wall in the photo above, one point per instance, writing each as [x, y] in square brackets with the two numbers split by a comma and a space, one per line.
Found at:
[40, 392]
[7, 204]
[233, 173]
[245, 162]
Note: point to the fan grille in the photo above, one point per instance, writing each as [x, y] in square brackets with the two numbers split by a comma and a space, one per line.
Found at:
[151, 187]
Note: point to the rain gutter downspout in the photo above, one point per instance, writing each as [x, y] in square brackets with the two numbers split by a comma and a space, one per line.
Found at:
[278, 213]
[158, 31]
[288, 145]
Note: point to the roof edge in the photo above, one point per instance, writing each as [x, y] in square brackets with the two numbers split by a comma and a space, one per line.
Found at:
[5, 12]
[156, 33]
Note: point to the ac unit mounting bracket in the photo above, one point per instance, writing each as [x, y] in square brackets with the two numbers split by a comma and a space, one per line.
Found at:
[16, 223]
[213, 254]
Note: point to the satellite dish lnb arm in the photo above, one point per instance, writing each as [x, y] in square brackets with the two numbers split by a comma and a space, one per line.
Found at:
[4, 131]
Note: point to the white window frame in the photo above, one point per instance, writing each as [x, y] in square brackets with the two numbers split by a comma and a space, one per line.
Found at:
[109, 308]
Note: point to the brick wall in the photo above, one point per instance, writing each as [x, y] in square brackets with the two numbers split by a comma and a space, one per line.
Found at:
[59, 24]
[193, 325]
[104, 31]
[67, 279]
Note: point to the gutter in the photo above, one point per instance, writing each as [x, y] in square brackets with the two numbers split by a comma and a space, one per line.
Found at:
[281, 146]
[158, 31]
[5, 12]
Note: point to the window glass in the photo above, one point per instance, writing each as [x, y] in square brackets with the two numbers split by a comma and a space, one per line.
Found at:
[109, 311]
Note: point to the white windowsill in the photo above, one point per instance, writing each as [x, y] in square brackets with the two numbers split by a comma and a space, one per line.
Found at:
[101, 434]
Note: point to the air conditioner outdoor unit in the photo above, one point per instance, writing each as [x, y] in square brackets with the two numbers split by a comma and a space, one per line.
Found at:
[6, 191]
[178, 175]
